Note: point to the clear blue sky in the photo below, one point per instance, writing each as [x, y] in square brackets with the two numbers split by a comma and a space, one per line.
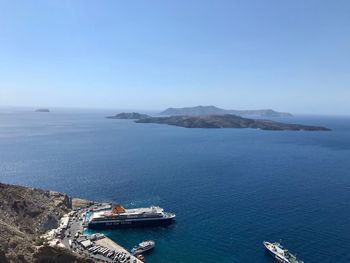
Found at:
[287, 55]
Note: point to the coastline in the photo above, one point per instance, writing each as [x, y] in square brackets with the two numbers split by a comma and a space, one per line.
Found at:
[42, 225]
[70, 235]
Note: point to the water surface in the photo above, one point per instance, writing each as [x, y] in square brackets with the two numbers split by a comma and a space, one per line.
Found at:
[230, 188]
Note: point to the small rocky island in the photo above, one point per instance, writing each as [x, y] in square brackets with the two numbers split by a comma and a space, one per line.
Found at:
[130, 115]
[228, 121]
[42, 110]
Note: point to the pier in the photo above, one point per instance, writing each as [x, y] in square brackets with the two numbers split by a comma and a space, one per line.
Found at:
[108, 243]
[112, 246]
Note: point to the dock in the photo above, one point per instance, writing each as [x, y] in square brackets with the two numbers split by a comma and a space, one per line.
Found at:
[111, 245]
[70, 234]
[108, 243]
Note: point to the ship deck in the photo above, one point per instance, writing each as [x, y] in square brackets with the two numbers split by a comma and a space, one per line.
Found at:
[129, 212]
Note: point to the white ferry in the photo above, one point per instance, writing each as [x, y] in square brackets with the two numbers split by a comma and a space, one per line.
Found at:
[280, 254]
[119, 217]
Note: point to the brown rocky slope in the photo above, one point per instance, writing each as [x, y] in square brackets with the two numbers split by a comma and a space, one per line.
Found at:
[25, 214]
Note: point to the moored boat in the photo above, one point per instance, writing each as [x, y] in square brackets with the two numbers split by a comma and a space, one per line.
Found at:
[143, 247]
[119, 217]
[282, 255]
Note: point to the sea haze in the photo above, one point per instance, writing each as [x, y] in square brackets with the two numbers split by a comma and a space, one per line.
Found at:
[230, 188]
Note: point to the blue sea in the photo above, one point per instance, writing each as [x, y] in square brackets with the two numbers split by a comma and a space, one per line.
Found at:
[230, 188]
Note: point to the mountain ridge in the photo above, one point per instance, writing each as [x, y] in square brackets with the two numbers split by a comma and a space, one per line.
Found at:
[213, 110]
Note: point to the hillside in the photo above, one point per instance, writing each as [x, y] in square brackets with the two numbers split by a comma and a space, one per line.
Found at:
[212, 110]
[25, 214]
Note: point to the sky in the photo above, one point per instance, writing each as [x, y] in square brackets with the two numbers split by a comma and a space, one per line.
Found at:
[290, 55]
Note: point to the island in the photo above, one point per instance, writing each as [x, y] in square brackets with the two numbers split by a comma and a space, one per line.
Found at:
[42, 110]
[131, 115]
[229, 121]
[213, 110]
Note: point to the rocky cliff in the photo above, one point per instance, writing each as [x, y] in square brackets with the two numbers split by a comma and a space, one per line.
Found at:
[25, 214]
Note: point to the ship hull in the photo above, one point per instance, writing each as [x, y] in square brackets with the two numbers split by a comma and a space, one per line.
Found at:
[130, 223]
[275, 256]
[272, 254]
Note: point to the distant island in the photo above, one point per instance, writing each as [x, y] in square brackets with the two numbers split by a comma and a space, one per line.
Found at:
[132, 116]
[228, 121]
[217, 121]
[212, 110]
[42, 110]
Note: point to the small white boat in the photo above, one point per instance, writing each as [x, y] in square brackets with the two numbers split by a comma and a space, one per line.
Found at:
[280, 254]
[143, 247]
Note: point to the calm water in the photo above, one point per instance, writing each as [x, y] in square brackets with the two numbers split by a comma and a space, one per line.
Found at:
[231, 189]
